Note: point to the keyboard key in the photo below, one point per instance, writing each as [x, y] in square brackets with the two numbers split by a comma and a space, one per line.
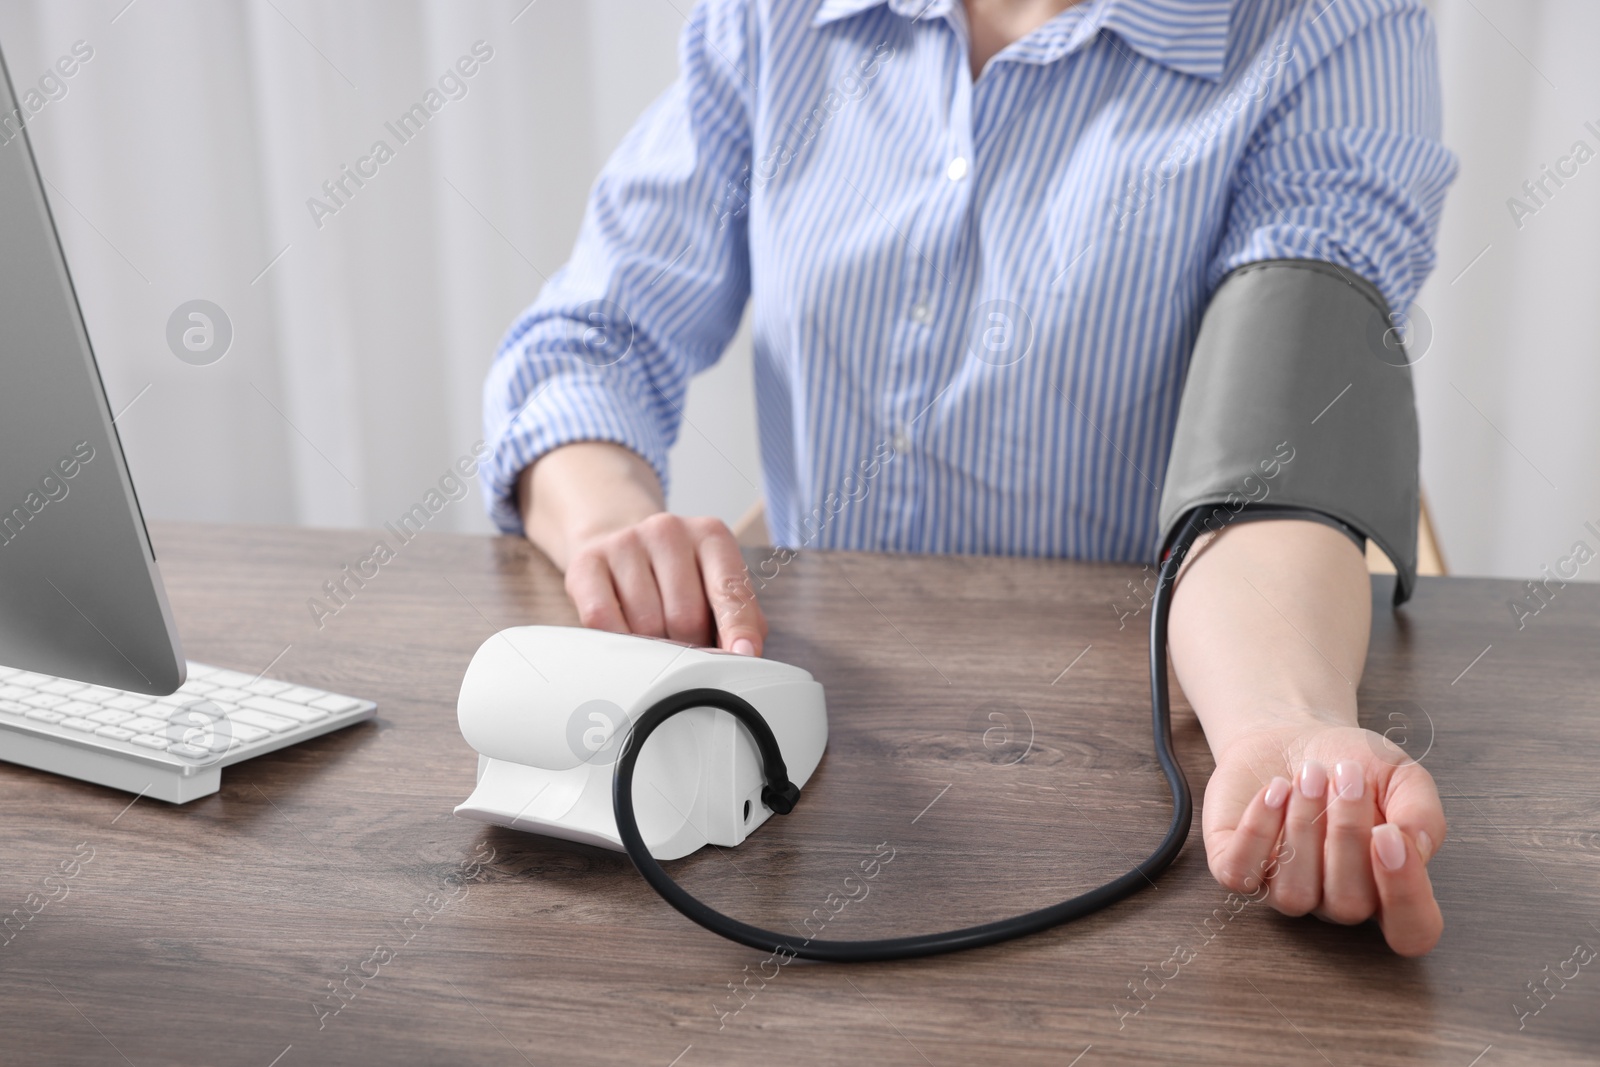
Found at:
[9, 672]
[116, 733]
[44, 715]
[13, 707]
[43, 700]
[192, 751]
[32, 680]
[151, 741]
[247, 735]
[143, 725]
[277, 724]
[110, 717]
[196, 713]
[199, 685]
[267, 687]
[333, 702]
[14, 692]
[212, 742]
[193, 713]
[228, 694]
[158, 711]
[274, 706]
[201, 670]
[62, 687]
[229, 678]
[301, 694]
[77, 707]
[88, 726]
[129, 702]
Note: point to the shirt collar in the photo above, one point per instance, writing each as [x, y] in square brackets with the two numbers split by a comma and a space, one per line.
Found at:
[1190, 36]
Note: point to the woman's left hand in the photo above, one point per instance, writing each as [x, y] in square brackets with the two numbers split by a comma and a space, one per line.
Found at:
[1357, 819]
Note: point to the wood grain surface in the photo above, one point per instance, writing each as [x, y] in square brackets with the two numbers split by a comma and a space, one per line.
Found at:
[989, 730]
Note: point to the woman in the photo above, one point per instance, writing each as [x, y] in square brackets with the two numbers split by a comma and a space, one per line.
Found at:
[979, 238]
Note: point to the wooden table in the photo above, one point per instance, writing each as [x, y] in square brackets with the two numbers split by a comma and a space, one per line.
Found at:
[989, 729]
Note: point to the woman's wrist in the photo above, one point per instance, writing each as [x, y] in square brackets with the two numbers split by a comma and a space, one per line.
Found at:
[1223, 731]
[582, 491]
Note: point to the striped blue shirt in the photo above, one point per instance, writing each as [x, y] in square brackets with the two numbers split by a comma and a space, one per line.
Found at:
[973, 301]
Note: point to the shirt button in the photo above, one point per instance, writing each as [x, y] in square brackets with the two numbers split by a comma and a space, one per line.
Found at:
[957, 169]
[902, 439]
[921, 312]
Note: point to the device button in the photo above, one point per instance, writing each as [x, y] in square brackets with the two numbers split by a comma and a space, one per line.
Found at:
[110, 717]
[62, 687]
[192, 751]
[116, 733]
[129, 703]
[43, 700]
[277, 724]
[274, 706]
[300, 694]
[151, 741]
[44, 715]
[12, 707]
[233, 696]
[222, 677]
[88, 726]
[14, 692]
[77, 707]
[267, 687]
[336, 704]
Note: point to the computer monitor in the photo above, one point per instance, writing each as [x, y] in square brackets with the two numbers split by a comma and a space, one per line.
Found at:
[80, 593]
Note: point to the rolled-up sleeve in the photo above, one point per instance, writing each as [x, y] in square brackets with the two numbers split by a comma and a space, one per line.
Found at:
[1348, 168]
[657, 281]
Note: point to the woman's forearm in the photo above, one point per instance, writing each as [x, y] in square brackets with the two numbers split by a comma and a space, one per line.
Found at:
[1270, 622]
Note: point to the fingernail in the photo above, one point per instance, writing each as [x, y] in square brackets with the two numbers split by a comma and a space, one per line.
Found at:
[1349, 777]
[1313, 780]
[1277, 792]
[1391, 845]
[1424, 845]
[744, 647]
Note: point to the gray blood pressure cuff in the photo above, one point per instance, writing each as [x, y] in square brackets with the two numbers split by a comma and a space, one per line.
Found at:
[1299, 395]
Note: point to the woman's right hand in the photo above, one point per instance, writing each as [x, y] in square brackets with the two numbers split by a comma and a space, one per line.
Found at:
[668, 576]
[631, 567]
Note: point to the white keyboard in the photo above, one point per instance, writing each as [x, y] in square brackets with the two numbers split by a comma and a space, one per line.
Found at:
[172, 748]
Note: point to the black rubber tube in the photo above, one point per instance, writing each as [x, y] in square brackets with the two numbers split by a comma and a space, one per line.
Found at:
[780, 794]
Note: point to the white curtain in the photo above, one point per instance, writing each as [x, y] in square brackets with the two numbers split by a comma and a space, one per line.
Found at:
[180, 162]
[1509, 389]
[183, 153]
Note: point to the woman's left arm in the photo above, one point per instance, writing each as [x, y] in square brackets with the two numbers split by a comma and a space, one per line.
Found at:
[1268, 635]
